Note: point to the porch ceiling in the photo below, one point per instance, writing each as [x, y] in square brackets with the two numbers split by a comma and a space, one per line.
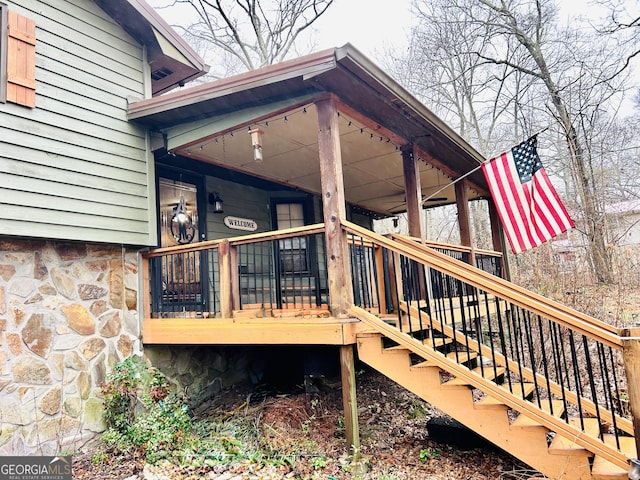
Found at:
[210, 123]
[372, 162]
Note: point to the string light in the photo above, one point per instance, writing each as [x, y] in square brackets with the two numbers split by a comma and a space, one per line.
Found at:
[303, 110]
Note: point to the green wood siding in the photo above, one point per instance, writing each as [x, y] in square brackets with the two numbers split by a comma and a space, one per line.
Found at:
[74, 168]
[239, 201]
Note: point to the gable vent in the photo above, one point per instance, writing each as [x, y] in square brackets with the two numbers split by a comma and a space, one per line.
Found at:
[160, 73]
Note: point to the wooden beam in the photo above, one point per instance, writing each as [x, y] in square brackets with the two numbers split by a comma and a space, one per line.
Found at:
[369, 124]
[413, 192]
[334, 208]
[249, 331]
[348, 372]
[631, 357]
[464, 217]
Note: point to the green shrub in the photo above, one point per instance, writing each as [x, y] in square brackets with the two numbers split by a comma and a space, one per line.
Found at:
[140, 412]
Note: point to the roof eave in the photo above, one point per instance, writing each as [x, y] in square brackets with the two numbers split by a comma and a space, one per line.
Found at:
[139, 19]
[348, 53]
[304, 66]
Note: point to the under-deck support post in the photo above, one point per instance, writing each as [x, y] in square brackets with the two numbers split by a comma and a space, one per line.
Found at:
[347, 370]
[631, 358]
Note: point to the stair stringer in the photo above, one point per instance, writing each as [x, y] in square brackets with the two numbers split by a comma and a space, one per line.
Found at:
[551, 423]
[529, 445]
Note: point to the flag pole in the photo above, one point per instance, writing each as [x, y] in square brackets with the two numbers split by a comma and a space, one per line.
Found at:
[425, 200]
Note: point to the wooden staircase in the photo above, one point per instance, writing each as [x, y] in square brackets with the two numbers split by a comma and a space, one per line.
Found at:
[544, 437]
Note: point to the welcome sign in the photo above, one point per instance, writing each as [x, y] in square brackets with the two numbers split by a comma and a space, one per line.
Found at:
[238, 223]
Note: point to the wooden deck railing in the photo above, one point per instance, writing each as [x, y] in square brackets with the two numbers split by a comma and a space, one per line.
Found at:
[281, 269]
[572, 359]
[275, 270]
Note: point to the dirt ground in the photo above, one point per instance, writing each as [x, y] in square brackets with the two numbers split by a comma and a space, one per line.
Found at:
[307, 430]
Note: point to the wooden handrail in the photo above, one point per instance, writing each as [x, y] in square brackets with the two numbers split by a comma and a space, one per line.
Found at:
[241, 240]
[449, 246]
[561, 314]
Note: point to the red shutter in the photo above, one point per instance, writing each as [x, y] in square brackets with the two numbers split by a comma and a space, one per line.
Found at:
[21, 60]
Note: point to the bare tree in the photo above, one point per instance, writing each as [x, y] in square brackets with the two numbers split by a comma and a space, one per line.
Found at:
[622, 23]
[538, 69]
[241, 35]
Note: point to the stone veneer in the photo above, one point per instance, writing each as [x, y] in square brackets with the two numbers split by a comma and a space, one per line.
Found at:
[68, 314]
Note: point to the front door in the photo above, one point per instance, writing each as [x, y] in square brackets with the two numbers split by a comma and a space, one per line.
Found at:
[181, 279]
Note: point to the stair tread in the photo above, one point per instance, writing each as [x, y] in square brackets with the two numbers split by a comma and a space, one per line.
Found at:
[603, 469]
[563, 445]
[437, 341]
[462, 357]
[489, 374]
[489, 401]
[525, 421]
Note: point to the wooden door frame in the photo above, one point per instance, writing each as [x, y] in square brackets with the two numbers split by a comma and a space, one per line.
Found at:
[180, 175]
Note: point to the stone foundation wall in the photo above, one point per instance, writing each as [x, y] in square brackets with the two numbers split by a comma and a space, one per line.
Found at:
[68, 314]
[200, 372]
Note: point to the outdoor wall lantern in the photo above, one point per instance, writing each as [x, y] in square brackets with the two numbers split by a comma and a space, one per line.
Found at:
[634, 469]
[256, 141]
[216, 201]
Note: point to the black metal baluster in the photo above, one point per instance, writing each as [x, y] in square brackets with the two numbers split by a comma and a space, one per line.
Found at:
[532, 356]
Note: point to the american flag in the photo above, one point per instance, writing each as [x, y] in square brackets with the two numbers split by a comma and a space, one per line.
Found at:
[529, 207]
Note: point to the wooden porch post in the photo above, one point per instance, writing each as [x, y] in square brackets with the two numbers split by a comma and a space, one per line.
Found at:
[334, 208]
[413, 192]
[413, 197]
[631, 358]
[338, 271]
[145, 307]
[228, 265]
[497, 238]
[464, 217]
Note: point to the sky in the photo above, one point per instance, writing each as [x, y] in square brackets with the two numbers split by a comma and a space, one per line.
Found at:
[369, 25]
